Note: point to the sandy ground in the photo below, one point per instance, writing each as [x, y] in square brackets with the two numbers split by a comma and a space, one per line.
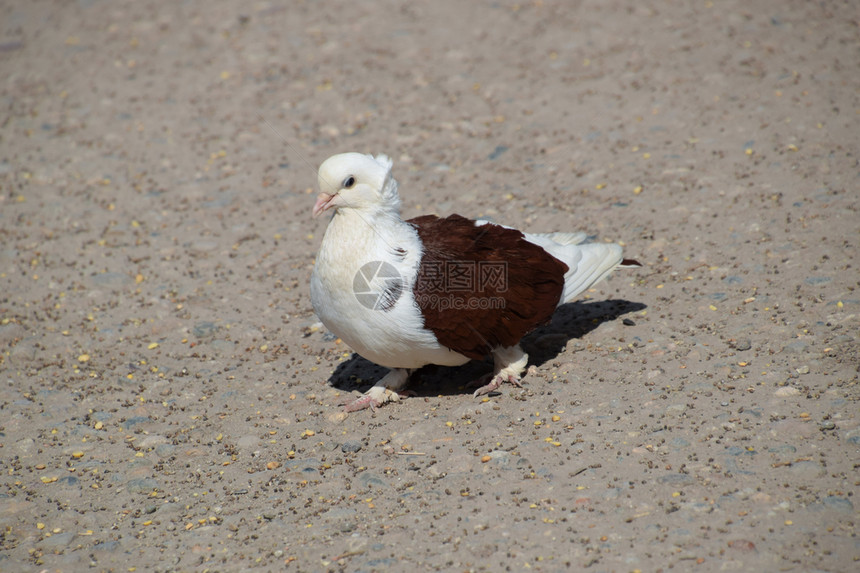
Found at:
[166, 403]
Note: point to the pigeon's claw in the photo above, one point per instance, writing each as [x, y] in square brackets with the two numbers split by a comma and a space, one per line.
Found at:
[373, 399]
[360, 404]
[509, 365]
[496, 383]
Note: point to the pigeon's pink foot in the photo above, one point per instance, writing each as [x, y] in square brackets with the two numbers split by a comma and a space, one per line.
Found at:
[374, 398]
[495, 383]
[509, 365]
[362, 403]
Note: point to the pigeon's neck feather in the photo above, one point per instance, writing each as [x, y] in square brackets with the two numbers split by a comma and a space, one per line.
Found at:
[356, 238]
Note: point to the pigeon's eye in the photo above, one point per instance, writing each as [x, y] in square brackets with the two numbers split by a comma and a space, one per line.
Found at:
[349, 182]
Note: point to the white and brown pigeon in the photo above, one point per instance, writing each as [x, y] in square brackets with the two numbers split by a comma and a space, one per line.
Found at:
[432, 290]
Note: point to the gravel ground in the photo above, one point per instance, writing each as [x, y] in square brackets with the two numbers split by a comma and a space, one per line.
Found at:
[168, 404]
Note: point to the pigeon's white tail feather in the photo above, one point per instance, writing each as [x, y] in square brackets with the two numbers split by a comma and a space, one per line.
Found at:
[589, 264]
[563, 238]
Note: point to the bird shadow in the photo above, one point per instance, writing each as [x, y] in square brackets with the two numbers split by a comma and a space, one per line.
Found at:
[570, 321]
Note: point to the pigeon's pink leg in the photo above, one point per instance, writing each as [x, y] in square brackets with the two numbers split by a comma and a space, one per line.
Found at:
[509, 365]
[372, 400]
[496, 383]
[384, 391]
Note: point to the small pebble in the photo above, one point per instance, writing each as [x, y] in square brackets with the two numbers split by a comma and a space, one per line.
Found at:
[841, 504]
[351, 447]
[742, 545]
[787, 391]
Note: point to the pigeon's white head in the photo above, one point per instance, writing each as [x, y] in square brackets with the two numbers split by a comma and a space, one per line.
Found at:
[357, 181]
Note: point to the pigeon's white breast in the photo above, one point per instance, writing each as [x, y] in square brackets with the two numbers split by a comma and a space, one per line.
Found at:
[358, 263]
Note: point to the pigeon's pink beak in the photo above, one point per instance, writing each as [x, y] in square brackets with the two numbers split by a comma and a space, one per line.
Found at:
[324, 203]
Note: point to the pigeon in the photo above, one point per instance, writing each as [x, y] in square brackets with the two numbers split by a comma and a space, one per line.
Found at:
[436, 290]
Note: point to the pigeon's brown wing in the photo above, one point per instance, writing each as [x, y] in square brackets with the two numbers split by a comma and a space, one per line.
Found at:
[481, 287]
